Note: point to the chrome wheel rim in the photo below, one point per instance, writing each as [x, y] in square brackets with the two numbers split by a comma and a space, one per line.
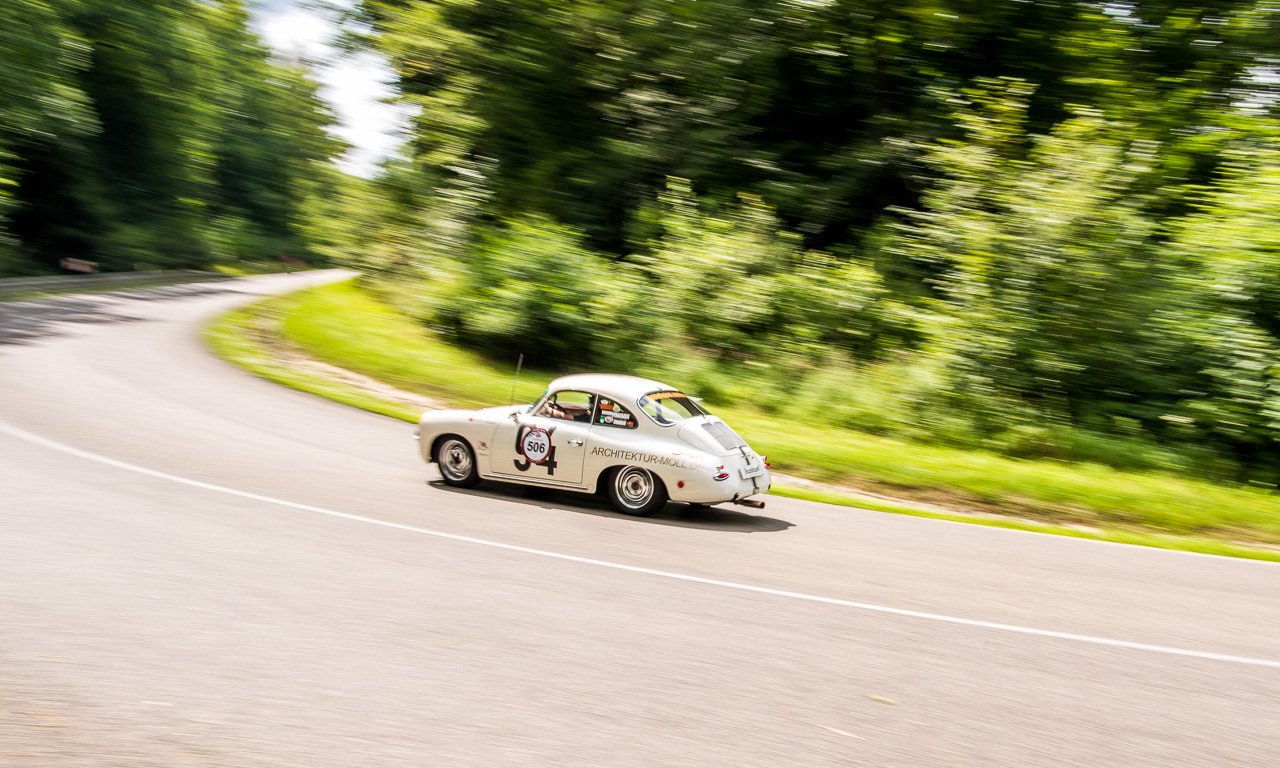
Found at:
[635, 487]
[455, 460]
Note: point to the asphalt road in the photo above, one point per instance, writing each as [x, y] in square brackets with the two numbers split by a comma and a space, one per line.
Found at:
[198, 567]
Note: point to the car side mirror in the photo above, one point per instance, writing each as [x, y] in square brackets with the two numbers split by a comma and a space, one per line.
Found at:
[515, 416]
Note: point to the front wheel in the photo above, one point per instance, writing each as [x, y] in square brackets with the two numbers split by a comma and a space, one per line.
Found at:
[457, 462]
[636, 491]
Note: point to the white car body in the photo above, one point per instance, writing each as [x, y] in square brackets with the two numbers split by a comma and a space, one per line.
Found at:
[698, 459]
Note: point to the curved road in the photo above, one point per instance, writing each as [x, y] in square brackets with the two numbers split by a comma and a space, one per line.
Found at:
[198, 567]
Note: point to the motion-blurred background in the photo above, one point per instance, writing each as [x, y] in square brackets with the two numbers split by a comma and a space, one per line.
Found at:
[1045, 229]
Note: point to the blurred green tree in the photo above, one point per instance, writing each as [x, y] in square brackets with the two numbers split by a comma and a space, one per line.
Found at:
[155, 133]
[585, 108]
[1227, 307]
[982, 211]
[270, 147]
[43, 111]
[1050, 273]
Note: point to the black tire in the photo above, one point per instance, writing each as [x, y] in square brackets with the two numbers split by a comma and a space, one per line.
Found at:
[636, 491]
[457, 462]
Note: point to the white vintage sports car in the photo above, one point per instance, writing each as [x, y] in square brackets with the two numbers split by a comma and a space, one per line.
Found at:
[637, 440]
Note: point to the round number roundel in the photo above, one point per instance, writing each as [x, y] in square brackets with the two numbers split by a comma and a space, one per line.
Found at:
[536, 445]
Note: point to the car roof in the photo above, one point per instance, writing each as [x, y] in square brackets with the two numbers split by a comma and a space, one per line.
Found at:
[614, 385]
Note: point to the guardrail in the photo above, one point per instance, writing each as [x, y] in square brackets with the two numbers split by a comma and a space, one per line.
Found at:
[15, 285]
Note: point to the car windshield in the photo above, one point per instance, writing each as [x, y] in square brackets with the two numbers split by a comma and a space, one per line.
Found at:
[667, 408]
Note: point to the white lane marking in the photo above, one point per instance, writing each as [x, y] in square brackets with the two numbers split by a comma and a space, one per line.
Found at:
[835, 730]
[54, 445]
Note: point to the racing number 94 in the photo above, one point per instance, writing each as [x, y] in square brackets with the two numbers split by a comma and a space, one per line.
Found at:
[535, 446]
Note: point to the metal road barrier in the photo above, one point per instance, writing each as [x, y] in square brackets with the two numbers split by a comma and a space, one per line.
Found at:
[16, 285]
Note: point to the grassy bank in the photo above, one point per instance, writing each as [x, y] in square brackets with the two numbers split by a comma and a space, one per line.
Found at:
[344, 326]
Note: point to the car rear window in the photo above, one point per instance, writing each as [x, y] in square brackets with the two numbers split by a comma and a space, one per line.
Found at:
[668, 408]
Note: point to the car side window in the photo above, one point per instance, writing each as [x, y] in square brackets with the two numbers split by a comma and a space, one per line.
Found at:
[613, 415]
[568, 406]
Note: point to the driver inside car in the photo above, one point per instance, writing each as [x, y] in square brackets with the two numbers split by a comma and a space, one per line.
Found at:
[568, 406]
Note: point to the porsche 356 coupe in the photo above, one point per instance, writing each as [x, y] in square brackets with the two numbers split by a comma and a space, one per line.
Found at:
[639, 441]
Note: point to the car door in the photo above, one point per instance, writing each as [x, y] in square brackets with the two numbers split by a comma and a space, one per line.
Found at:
[548, 445]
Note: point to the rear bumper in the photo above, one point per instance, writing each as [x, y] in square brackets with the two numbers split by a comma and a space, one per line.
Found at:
[710, 491]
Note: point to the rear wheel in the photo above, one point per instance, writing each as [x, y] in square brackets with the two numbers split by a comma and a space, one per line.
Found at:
[636, 491]
[457, 462]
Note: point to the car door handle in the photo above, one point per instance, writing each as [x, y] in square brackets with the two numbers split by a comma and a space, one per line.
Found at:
[574, 442]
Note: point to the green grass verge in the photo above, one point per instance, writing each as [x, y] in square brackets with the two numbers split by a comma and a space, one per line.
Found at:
[347, 327]
[248, 268]
[1200, 544]
[344, 326]
[249, 337]
[1086, 494]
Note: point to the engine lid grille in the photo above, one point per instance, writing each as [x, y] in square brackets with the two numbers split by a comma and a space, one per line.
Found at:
[727, 438]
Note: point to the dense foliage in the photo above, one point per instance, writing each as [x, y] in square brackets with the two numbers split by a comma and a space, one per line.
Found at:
[584, 107]
[1043, 228]
[151, 133]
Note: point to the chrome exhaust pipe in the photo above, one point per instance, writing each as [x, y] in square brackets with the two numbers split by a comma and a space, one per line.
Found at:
[754, 504]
